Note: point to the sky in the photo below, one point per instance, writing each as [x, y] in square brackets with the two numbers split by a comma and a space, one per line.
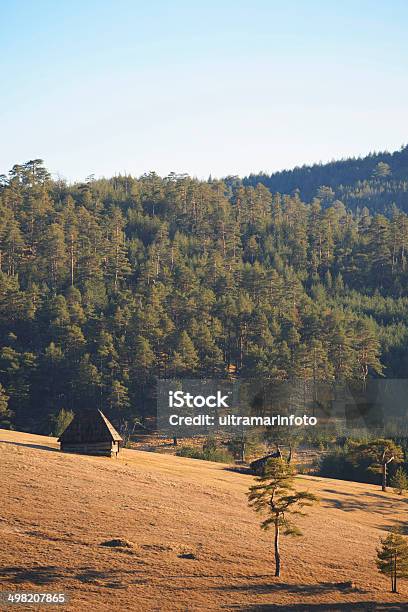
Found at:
[204, 87]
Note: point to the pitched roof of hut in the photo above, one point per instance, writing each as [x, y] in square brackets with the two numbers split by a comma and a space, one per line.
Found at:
[90, 426]
[260, 463]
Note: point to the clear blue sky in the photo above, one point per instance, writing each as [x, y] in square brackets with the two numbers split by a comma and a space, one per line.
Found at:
[204, 87]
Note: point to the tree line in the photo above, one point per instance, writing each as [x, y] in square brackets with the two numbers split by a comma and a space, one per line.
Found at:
[378, 181]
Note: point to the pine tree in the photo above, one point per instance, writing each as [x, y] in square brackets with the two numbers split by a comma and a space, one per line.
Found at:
[276, 495]
[117, 261]
[4, 411]
[392, 558]
[368, 349]
[61, 421]
[185, 358]
[378, 454]
[85, 382]
[12, 247]
[143, 357]
[54, 255]
[400, 481]
[118, 397]
[379, 244]
[381, 170]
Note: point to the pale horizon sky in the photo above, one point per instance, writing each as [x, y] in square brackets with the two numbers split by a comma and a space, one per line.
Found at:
[230, 87]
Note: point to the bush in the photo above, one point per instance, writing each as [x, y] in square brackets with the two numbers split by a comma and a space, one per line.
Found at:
[336, 464]
[210, 444]
[190, 451]
[207, 454]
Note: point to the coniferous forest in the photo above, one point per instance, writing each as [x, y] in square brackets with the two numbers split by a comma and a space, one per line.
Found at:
[109, 284]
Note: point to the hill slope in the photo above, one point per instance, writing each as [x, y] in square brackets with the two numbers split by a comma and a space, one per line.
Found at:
[107, 286]
[377, 181]
[57, 509]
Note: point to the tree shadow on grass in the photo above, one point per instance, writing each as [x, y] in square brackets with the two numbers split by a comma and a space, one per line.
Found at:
[400, 526]
[48, 574]
[302, 589]
[43, 574]
[336, 492]
[239, 469]
[345, 505]
[362, 606]
[353, 503]
[111, 579]
[380, 496]
[37, 446]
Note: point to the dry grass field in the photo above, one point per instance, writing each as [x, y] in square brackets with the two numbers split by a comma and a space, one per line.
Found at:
[195, 543]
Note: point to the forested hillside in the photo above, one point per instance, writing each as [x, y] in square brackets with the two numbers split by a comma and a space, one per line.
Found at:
[378, 181]
[109, 284]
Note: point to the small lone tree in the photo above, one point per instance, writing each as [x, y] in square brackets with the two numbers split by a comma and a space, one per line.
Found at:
[275, 494]
[392, 558]
[400, 481]
[378, 454]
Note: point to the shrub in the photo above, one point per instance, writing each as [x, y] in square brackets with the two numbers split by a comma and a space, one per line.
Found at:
[336, 464]
[219, 455]
[207, 454]
[210, 444]
[190, 451]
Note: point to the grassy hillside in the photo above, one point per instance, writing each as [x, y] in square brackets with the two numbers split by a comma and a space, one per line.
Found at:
[196, 544]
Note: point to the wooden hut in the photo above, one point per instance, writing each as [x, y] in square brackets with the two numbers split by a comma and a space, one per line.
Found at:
[90, 433]
[258, 466]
